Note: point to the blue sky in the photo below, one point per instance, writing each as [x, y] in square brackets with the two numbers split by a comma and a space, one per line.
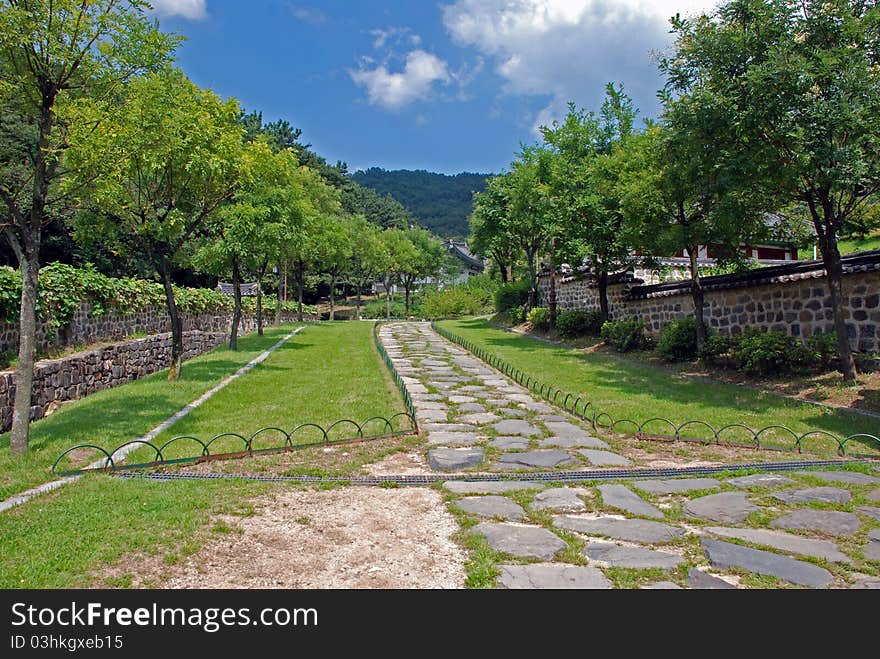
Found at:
[445, 86]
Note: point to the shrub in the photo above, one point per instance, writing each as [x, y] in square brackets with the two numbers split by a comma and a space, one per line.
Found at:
[517, 314]
[625, 335]
[572, 324]
[512, 295]
[771, 353]
[720, 351]
[824, 350]
[456, 301]
[539, 317]
[678, 340]
[376, 309]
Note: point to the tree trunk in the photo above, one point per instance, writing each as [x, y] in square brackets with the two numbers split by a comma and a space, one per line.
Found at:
[332, 298]
[602, 281]
[358, 313]
[551, 299]
[236, 307]
[388, 295]
[280, 300]
[831, 258]
[24, 372]
[533, 279]
[407, 287]
[259, 309]
[697, 295]
[300, 285]
[176, 361]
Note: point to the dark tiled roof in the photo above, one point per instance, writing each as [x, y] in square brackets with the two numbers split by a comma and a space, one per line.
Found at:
[796, 271]
[462, 251]
[247, 290]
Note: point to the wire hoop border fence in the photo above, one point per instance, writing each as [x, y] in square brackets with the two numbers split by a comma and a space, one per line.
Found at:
[585, 410]
[248, 450]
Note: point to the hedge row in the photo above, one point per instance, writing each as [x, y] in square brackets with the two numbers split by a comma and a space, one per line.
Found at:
[63, 288]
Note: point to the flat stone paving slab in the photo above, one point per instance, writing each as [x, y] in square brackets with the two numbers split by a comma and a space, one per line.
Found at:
[492, 506]
[794, 544]
[490, 487]
[620, 496]
[554, 576]
[874, 495]
[509, 411]
[810, 494]
[471, 408]
[453, 438]
[726, 507]
[677, 485]
[533, 459]
[851, 477]
[478, 419]
[565, 429]
[632, 557]
[522, 541]
[516, 427]
[432, 415]
[870, 511]
[585, 441]
[560, 499]
[727, 555]
[872, 549]
[451, 459]
[699, 579]
[630, 530]
[510, 443]
[604, 458]
[760, 480]
[458, 400]
[826, 521]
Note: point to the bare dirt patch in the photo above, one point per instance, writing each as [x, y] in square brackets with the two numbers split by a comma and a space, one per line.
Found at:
[399, 464]
[350, 537]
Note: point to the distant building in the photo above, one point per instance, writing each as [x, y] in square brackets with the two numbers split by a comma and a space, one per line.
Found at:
[247, 290]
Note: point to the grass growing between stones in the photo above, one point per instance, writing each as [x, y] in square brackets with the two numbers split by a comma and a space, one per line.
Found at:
[113, 416]
[65, 539]
[642, 391]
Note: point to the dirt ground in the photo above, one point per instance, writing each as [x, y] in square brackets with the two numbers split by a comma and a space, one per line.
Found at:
[349, 537]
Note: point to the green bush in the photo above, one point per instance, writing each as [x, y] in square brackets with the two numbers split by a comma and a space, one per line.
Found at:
[824, 350]
[376, 309]
[720, 351]
[456, 301]
[539, 317]
[572, 324]
[512, 295]
[517, 314]
[625, 335]
[678, 340]
[771, 353]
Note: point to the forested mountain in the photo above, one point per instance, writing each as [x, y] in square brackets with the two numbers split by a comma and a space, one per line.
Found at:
[439, 202]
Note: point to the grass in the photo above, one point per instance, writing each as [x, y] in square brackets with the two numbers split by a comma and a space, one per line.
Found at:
[63, 539]
[326, 373]
[856, 245]
[113, 416]
[642, 391]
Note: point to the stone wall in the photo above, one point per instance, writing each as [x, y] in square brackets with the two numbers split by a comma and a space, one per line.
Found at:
[85, 329]
[60, 380]
[792, 299]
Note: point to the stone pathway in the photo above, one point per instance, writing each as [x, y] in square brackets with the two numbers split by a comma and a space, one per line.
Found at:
[812, 529]
[756, 531]
[475, 418]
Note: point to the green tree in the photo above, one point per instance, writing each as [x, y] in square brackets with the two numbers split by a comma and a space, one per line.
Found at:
[334, 246]
[52, 53]
[156, 170]
[490, 235]
[367, 255]
[427, 261]
[790, 91]
[398, 255]
[586, 212]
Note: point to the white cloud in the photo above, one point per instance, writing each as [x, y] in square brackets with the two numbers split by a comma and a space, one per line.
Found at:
[309, 15]
[393, 91]
[191, 9]
[567, 50]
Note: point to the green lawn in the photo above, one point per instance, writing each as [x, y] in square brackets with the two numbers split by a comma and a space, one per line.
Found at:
[626, 389]
[113, 416]
[851, 246]
[60, 540]
[326, 372]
